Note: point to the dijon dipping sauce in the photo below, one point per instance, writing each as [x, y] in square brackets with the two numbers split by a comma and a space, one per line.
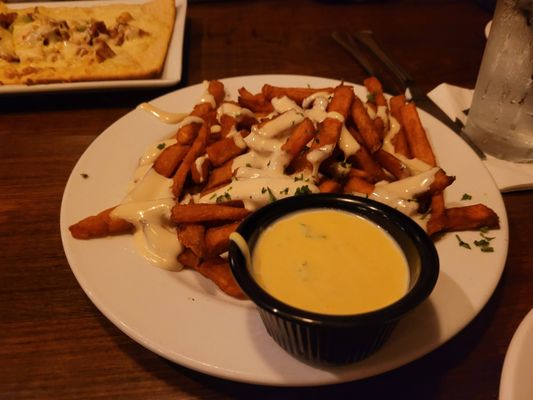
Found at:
[330, 262]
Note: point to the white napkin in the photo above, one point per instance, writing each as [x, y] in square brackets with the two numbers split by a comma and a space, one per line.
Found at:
[509, 176]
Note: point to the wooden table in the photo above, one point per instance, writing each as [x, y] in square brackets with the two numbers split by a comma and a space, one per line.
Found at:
[55, 344]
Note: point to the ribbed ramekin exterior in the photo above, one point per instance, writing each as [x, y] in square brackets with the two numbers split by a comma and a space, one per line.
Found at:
[319, 343]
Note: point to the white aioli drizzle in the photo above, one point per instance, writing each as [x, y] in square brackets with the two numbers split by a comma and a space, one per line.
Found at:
[400, 194]
[206, 96]
[163, 116]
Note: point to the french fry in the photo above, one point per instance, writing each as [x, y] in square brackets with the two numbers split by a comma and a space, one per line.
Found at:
[188, 259]
[218, 270]
[169, 159]
[194, 152]
[258, 103]
[392, 164]
[187, 133]
[296, 94]
[224, 150]
[471, 217]
[192, 236]
[100, 225]
[437, 218]
[330, 128]
[399, 141]
[198, 213]
[330, 186]
[300, 136]
[355, 184]
[219, 176]
[416, 135]
[217, 238]
[200, 170]
[365, 125]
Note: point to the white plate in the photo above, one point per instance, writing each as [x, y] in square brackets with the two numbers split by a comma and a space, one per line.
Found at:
[171, 70]
[516, 382]
[183, 317]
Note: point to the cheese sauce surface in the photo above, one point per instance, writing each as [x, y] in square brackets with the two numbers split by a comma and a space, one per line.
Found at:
[330, 262]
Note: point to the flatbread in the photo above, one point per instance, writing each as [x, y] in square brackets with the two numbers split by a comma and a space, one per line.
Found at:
[69, 44]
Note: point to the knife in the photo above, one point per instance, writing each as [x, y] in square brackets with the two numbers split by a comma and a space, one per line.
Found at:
[368, 40]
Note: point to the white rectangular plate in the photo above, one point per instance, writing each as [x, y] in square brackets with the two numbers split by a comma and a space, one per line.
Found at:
[171, 70]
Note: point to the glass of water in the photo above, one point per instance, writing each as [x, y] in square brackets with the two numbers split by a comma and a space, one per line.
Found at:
[500, 120]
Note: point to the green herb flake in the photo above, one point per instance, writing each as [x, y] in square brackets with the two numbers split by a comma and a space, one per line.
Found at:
[299, 178]
[271, 195]
[284, 191]
[466, 196]
[371, 97]
[263, 190]
[462, 243]
[302, 190]
[487, 249]
[84, 175]
[161, 146]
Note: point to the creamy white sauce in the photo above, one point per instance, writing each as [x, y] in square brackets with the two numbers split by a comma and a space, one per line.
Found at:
[401, 194]
[155, 238]
[154, 150]
[233, 110]
[316, 156]
[206, 96]
[258, 191]
[347, 143]
[163, 116]
[414, 165]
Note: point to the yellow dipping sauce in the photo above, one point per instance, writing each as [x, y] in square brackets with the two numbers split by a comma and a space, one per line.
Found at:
[330, 262]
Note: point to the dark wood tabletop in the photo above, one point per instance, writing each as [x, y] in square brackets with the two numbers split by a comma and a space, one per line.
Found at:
[55, 344]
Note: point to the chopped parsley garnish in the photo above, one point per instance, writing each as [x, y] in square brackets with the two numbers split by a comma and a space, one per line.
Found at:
[284, 191]
[223, 197]
[302, 190]
[466, 196]
[462, 243]
[371, 97]
[84, 175]
[299, 178]
[161, 146]
[271, 195]
[249, 165]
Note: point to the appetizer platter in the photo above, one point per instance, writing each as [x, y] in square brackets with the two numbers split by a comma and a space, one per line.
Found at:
[58, 46]
[127, 288]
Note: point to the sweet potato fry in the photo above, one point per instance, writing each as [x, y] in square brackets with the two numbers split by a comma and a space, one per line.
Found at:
[194, 152]
[416, 135]
[218, 270]
[220, 176]
[358, 185]
[100, 225]
[257, 103]
[299, 137]
[224, 150]
[471, 217]
[216, 89]
[365, 125]
[437, 219]
[187, 133]
[217, 238]
[330, 186]
[399, 141]
[375, 90]
[295, 94]
[169, 159]
[188, 259]
[200, 169]
[198, 213]
[392, 164]
[192, 236]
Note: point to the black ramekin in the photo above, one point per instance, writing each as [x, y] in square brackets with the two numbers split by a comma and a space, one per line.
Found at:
[337, 339]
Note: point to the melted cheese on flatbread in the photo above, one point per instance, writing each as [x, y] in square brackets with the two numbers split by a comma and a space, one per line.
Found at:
[67, 44]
